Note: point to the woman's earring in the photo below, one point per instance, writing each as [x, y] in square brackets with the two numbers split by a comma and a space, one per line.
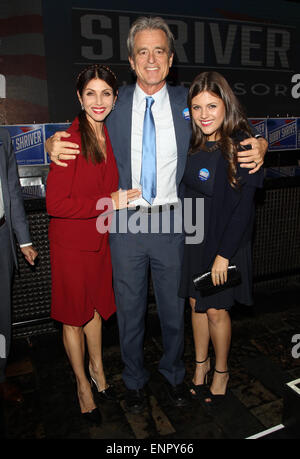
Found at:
[113, 106]
[82, 107]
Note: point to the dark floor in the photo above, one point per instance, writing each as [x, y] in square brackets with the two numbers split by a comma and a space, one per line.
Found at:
[262, 361]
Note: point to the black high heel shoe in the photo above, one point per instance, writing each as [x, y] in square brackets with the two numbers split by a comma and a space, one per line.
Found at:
[216, 399]
[200, 390]
[107, 394]
[93, 416]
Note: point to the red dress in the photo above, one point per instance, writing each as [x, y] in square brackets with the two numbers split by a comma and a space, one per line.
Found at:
[80, 255]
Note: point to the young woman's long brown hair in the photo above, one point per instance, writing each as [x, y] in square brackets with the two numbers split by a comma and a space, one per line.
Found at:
[90, 148]
[234, 125]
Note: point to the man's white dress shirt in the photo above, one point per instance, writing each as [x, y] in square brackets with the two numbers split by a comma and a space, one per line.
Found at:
[166, 147]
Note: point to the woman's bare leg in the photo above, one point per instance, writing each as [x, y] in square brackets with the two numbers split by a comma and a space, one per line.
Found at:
[93, 333]
[219, 324]
[73, 339]
[201, 342]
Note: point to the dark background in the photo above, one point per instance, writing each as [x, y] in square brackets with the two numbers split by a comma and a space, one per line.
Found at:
[254, 44]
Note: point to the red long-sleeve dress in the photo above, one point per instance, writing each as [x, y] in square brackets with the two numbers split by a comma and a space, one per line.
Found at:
[79, 254]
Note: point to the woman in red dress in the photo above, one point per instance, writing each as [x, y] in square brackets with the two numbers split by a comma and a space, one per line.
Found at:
[77, 196]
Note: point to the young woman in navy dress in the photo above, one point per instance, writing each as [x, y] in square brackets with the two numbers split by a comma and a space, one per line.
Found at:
[213, 174]
[77, 196]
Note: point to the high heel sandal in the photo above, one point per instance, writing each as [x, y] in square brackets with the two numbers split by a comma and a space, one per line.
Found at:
[216, 399]
[200, 389]
[107, 394]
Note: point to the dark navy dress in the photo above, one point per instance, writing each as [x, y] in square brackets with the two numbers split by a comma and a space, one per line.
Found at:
[228, 225]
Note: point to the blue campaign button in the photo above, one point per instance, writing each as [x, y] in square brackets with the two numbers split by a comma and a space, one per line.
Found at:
[186, 114]
[203, 174]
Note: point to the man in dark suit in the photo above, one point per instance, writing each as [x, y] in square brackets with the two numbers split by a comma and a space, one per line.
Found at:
[13, 222]
[151, 50]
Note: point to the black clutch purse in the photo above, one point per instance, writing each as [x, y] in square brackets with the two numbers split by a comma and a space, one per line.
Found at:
[203, 281]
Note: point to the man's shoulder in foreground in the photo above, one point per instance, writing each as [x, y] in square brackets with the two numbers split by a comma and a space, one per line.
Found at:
[125, 89]
[180, 93]
[180, 89]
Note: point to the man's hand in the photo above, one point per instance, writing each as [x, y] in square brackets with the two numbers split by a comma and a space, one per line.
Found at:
[254, 158]
[59, 149]
[29, 253]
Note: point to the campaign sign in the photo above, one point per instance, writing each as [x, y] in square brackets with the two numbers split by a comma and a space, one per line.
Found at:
[28, 142]
[260, 125]
[282, 133]
[51, 129]
[298, 132]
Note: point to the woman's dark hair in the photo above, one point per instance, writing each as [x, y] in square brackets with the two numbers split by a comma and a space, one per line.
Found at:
[234, 125]
[89, 145]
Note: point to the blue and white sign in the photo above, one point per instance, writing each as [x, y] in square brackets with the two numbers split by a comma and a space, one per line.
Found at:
[282, 133]
[28, 142]
[298, 132]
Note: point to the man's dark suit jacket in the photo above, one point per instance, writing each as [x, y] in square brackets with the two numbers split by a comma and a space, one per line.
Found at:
[12, 194]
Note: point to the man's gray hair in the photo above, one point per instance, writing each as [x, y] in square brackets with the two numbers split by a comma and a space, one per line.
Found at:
[149, 23]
